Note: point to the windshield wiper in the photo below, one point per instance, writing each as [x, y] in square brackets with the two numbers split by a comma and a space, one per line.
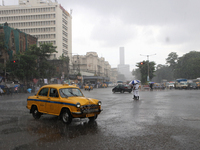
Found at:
[64, 94]
[73, 94]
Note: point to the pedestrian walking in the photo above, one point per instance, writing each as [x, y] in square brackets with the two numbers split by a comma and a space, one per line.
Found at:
[136, 86]
[136, 91]
[151, 86]
[15, 90]
[1, 91]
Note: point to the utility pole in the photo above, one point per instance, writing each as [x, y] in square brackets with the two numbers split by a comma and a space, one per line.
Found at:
[148, 63]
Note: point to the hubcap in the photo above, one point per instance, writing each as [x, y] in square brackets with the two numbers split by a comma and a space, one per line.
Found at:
[35, 111]
[65, 117]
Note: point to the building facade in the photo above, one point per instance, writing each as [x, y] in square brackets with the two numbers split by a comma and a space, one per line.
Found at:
[91, 67]
[14, 41]
[46, 20]
[113, 76]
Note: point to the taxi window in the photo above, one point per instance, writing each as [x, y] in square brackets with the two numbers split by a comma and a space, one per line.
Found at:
[53, 92]
[43, 92]
[68, 92]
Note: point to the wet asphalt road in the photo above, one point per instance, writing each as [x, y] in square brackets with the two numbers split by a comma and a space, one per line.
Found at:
[164, 120]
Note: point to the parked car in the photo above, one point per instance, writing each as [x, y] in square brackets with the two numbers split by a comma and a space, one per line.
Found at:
[170, 85]
[104, 85]
[122, 88]
[66, 101]
[158, 86]
[88, 87]
[183, 85]
[192, 85]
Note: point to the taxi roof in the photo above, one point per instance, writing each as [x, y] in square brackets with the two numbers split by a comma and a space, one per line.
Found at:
[60, 86]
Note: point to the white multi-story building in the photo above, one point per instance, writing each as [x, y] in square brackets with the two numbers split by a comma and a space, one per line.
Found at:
[44, 19]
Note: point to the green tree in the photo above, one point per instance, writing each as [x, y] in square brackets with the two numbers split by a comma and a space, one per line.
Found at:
[2, 43]
[24, 67]
[172, 59]
[163, 72]
[43, 52]
[146, 67]
[65, 64]
[33, 63]
[188, 66]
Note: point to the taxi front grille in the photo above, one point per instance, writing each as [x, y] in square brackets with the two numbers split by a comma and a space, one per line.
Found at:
[89, 108]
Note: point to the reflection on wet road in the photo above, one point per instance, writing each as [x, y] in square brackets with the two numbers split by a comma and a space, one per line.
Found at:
[159, 120]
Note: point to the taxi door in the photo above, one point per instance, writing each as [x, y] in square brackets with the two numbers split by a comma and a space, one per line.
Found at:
[52, 106]
[42, 99]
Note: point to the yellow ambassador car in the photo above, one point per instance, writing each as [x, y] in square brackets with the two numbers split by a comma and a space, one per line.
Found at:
[88, 87]
[66, 101]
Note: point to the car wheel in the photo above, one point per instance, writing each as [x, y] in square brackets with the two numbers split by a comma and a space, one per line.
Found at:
[36, 114]
[66, 117]
[93, 118]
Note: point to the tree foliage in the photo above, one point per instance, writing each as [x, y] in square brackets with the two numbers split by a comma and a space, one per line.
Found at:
[188, 66]
[43, 52]
[33, 63]
[171, 60]
[2, 43]
[146, 67]
[163, 72]
[24, 67]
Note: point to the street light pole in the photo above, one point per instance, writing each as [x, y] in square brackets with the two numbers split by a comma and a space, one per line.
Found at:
[148, 63]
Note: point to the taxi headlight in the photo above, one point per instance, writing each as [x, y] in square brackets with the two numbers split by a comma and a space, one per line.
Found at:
[99, 103]
[78, 105]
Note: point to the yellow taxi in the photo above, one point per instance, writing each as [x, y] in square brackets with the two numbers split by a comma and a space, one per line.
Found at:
[104, 85]
[75, 85]
[88, 87]
[66, 101]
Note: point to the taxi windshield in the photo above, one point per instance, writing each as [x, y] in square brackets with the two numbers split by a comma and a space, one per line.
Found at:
[68, 92]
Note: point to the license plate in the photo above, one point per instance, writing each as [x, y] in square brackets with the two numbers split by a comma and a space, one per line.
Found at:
[89, 115]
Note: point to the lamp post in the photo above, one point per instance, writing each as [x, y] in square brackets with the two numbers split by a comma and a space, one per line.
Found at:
[148, 63]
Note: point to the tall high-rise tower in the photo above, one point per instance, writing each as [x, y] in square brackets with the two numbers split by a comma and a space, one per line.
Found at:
[122, 67]
[121, 55]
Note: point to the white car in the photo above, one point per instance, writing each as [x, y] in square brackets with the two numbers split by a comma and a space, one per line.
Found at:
[170, 85]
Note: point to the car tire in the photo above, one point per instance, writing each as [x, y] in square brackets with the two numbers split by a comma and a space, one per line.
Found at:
[93, 118]
[36, 114]
[66, 116]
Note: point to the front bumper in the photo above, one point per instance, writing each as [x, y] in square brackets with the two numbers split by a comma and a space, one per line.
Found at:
[87, 111]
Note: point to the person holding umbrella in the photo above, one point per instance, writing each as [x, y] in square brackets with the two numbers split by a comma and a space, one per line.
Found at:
[135, 89]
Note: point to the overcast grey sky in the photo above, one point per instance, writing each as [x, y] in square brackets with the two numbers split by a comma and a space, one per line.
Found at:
[143, 27]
